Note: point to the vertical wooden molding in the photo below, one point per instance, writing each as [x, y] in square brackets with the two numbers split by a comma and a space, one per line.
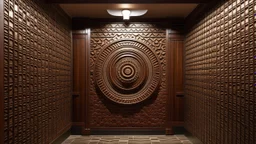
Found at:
[78, 74]
[168, 115]
[72, 78]
[175, 79]
[81, 47]
[178, 80]
[170, 84]
[87, 82]
[1, 71]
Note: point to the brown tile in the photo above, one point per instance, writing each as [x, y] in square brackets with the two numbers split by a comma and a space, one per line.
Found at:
[122, 141]
[95, 138]
[93, 142]
[155, 140]
[139, 142]
[108, 143]
[80, 142]
[170, 142]
[181, 137]
[82, 138]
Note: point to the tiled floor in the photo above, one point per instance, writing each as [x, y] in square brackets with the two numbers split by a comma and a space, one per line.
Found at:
[127, 139]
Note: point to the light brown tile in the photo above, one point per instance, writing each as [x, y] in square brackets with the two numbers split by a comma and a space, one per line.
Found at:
[127, 139]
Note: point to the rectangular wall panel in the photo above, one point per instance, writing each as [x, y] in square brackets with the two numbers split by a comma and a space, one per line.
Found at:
[220, 66]
[116, 66]
[151, 112]
[37, 72]
[176, 76]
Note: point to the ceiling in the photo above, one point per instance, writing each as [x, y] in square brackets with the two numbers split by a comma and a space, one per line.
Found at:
[154, 10]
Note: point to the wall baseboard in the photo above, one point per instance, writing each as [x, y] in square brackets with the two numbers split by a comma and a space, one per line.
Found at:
[62, 138]
[127, 131]
[63, 135]
[192, 138]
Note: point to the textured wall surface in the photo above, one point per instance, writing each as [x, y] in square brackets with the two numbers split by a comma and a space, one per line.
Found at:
[220, 66]
[149, 113]
[37, 72]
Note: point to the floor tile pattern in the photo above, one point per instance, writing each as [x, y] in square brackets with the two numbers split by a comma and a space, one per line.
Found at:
[127, 139]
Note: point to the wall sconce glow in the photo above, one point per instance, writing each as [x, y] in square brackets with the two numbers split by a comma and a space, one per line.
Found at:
[126, 14]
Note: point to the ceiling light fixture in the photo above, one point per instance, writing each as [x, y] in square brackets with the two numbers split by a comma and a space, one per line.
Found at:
[127, 13]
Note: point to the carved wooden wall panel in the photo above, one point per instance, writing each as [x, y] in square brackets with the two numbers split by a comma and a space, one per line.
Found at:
[37, 72]
[127, 71]
[220, 66]
[128, 76]
[175, 77]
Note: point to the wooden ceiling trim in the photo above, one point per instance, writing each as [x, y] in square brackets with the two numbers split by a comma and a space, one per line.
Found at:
[126, 1]
[80, 23]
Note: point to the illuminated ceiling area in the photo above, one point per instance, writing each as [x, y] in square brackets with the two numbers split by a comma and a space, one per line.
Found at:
[154, 10]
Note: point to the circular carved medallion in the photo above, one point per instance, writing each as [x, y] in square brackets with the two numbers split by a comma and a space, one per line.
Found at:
[127, 72]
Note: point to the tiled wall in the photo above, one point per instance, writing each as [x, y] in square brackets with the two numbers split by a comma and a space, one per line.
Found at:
[220, 66]
[37, 72]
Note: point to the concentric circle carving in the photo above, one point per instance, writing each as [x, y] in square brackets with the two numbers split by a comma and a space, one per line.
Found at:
[127, 72]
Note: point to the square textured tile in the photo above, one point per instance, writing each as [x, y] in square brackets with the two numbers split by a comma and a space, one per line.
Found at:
[124, 139]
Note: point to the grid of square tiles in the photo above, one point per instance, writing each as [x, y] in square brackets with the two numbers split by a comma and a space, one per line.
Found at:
[127, 139]
[220, 66]
[37, 72]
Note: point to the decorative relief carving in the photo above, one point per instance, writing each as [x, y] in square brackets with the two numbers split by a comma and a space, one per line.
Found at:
[127, 71]
[123, 63]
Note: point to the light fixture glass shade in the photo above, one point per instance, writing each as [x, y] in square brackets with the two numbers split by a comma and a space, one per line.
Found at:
[126, 14]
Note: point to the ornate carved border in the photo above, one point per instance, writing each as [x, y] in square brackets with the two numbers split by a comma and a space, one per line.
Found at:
[142, 63]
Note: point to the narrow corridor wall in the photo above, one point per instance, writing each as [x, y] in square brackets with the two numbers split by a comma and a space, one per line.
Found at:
[220, 68]
[37, 72]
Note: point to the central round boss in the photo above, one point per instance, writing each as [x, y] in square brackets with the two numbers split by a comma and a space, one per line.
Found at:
[127, 72]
